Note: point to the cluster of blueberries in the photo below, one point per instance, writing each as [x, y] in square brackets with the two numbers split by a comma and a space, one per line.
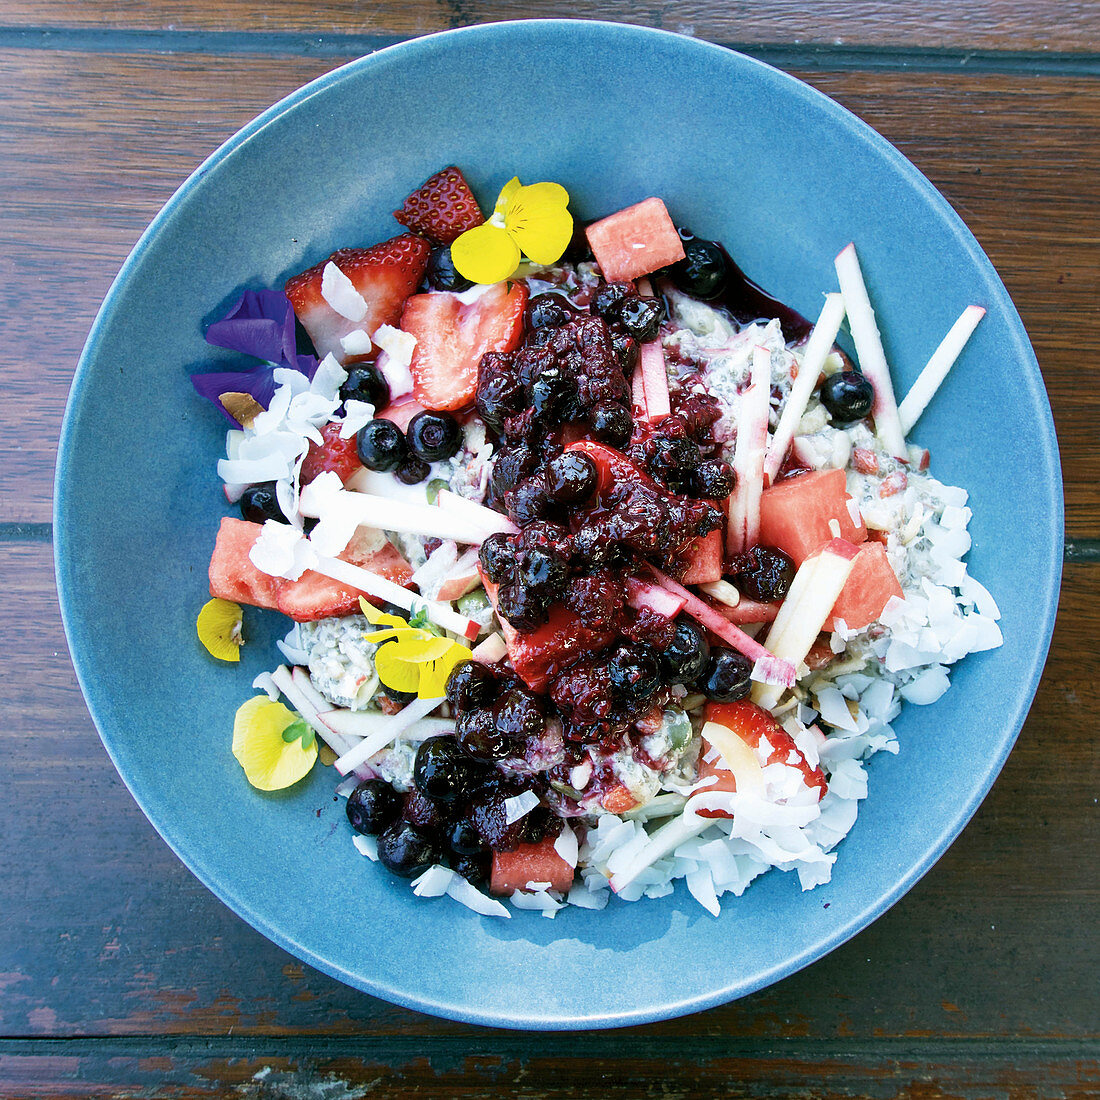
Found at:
[454, 813]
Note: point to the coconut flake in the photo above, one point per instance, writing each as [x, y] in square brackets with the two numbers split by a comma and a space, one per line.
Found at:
[585, 898]
[566, 845]
[347, 785]
[357, 415]
[340, 293]
[281, 551]
[394, 362]
[539, 900]
[927, 687]
[357, 342]
[367, 846]
[266, 684]
[833, 708]
[466, 894]
[433, 883]
[519, 806]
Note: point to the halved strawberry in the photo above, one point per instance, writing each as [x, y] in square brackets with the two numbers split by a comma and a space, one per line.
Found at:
[335, 453]
[441, 208]
[752, 723]
[384, 275]
[452, 336]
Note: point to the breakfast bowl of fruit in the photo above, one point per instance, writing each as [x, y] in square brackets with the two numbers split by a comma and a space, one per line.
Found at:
[558, 540]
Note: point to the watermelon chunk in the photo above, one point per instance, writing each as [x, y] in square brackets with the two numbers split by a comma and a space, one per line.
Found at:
[543, 652]
[635, 241]
[704, 558]
[795, 514]
[315, 596]
[530, 863]
[232, 574]
[868, 589]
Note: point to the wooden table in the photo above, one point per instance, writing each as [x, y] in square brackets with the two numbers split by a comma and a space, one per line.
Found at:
[120, 975]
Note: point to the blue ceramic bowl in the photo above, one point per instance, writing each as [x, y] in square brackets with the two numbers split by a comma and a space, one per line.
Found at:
[740, 152]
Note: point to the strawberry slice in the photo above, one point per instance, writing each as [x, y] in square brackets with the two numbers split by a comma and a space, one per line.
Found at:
[384, 275]
[752, 723]
[335, 453]
[453, 335]
[441, 208]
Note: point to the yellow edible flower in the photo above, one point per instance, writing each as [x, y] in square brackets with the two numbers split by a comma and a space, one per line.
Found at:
[410, 658]
[219, 629]
[271, 761]
[529, 221]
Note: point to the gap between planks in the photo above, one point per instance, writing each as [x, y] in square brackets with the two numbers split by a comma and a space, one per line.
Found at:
[535, 1045]
[806, 57]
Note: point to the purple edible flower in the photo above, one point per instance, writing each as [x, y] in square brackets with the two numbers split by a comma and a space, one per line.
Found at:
[261, 324]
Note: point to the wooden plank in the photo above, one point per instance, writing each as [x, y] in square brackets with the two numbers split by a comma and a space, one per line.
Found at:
[985, 24]
[93, 144]
[106, 933]
[627, 1067]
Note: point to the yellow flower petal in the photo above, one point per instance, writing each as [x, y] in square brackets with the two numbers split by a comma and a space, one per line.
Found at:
[507, 193]
[379, 618]
[485, 254]
[538, 221]
[434, 674]
[269, 762]
[393, 672]
[419, 650]
[219, 629]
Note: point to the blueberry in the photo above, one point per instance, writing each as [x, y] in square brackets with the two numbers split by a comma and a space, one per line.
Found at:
[548, 311]
[441, 272]
[470, 685]
[762, 573]
[571, 478]
[641, 317]
[626, 352]
[412, 471]
[366, 384]
[498, 397]
[672, 462]
[520, 606]
[713, 479]
[687, 654]
[498, 557]
[848, 396]
[605, 302]
[518, 715]
[528, 502]
[633, 672]
[406, 851]
[433, 436]
[441, 769]
[476, 731]
[726, 677]
[551, 394]
[372, 806]
[395, 696]
[537, 823]
[381, 445]
[260, 503]
[473, 868]
[541, 572]
[611, 424]
[463, 838]
[703, 270]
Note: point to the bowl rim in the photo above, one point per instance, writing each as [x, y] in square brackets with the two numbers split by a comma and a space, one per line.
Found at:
[454, 1008]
